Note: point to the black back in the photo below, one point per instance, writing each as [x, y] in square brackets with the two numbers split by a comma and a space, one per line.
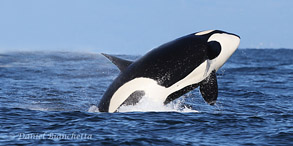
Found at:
[171, 62]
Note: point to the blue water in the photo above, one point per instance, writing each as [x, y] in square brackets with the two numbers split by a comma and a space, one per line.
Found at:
[50, 97]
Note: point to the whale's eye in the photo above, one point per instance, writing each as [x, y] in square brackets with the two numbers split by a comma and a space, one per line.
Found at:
[214, 49]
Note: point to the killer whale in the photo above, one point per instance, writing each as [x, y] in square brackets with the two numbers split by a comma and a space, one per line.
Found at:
[171, 70]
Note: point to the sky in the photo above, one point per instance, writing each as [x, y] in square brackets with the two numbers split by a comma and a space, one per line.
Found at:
[136, 26]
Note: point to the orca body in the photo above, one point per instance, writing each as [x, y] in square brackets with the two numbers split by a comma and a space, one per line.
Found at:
[171, 70]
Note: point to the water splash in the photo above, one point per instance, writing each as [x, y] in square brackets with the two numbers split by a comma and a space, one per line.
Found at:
[93, 109]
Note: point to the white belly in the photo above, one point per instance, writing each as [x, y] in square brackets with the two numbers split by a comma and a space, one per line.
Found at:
[153, 90]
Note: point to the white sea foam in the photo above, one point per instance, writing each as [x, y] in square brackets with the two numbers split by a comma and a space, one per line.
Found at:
[34, 107]
[38, 108]
[93, 109]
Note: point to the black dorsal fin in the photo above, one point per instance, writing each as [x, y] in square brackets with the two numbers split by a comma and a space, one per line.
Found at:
[120, 63]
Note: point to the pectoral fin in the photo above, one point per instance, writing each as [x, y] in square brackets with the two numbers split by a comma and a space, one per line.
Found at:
[209, 88]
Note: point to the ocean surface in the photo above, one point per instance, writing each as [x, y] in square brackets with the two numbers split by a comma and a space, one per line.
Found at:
[50, 98]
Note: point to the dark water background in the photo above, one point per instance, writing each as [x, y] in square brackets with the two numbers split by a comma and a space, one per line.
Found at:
[47, 98]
